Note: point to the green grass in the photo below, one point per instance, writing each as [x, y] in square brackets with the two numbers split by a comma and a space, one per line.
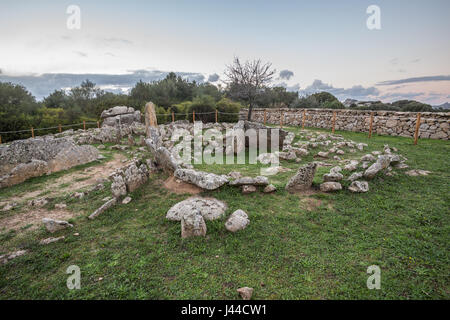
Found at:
[287, 252]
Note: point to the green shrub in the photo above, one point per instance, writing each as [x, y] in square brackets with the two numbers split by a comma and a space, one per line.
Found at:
[204, 107]
[229, 110]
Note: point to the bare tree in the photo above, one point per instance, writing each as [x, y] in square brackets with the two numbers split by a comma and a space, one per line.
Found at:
[246, 80]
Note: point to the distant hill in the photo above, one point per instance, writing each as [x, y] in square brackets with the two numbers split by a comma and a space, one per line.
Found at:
[443, 106]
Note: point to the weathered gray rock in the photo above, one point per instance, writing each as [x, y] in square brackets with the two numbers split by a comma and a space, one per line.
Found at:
[238, 220]
[50, 240]
[359, 186]
[210, 208]
[135, 177]
[120, 116]
[330, 186]
[166, 160]
[258, 181]
[55, 225]
[103, 208]
[245, 292]
[333, 176]
[193, 224]
[368, 157]
[204, 180]
[355, 176]
[352, 166]
[381, 163]
[118, 186]
[417, 172]
[60, 206]
[322, 154]
[235, 175]
[127, 200]
[23, 159]
[270, 188]
[246, 189]
[40, 202]
[303, 179]
[10, 256]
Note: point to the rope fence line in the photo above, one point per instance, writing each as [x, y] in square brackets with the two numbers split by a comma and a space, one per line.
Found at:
[85, 123]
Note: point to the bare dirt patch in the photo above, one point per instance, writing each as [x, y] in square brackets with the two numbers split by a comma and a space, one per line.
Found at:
[73, 181]
[180, 187]
[33, 217]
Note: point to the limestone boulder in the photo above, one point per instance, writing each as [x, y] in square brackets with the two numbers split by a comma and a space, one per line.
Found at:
[238, 220]
[303, 179]
[204, 180]
[210, 208]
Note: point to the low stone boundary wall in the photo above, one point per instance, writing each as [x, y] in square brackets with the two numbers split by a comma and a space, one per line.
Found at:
[433, 125]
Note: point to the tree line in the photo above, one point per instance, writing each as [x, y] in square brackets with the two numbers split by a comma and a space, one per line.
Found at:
[247, 84]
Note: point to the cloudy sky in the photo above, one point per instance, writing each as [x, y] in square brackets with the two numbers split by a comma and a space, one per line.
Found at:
[314, 45]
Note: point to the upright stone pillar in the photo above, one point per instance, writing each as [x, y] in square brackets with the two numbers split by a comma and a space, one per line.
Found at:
[150, 116]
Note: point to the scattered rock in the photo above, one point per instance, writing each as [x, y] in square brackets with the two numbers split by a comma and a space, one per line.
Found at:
[382, 163]
[103, 208]
[50, 240]
[330, 186]
[55, 225]
[417, 172]
[359, 186]
[245, 292]
[193, 224]
[246, 189]
[303, 179]
[204, 180]
[38, 202]
[10, 256]
[322, 154]
[270, 188]
[210, 208]
[368, 157]
[352, 166]
[60, 206]
[355, 176]
[238, 220]
[127, 200]
[9, 206]
[258, 181]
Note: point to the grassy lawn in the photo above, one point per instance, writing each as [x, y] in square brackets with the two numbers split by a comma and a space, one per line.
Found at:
[296, 246]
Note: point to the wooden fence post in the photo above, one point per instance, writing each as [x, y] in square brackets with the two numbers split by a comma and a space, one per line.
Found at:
[334, 121]
[32, 132]
[303, 120]
[193, 116]
[416, 133]
[371, 125]
[0, 139]
[217, 117]
[84, 125]
[59, 128]
[98, 124]
[265, 116]
[173, 117]
[281, 118]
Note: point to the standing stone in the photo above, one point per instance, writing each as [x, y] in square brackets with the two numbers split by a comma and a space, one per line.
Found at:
[150, 116]
[193, 225]
[303, 179]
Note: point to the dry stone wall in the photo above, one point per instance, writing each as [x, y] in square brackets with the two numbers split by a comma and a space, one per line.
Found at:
[433, 125]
